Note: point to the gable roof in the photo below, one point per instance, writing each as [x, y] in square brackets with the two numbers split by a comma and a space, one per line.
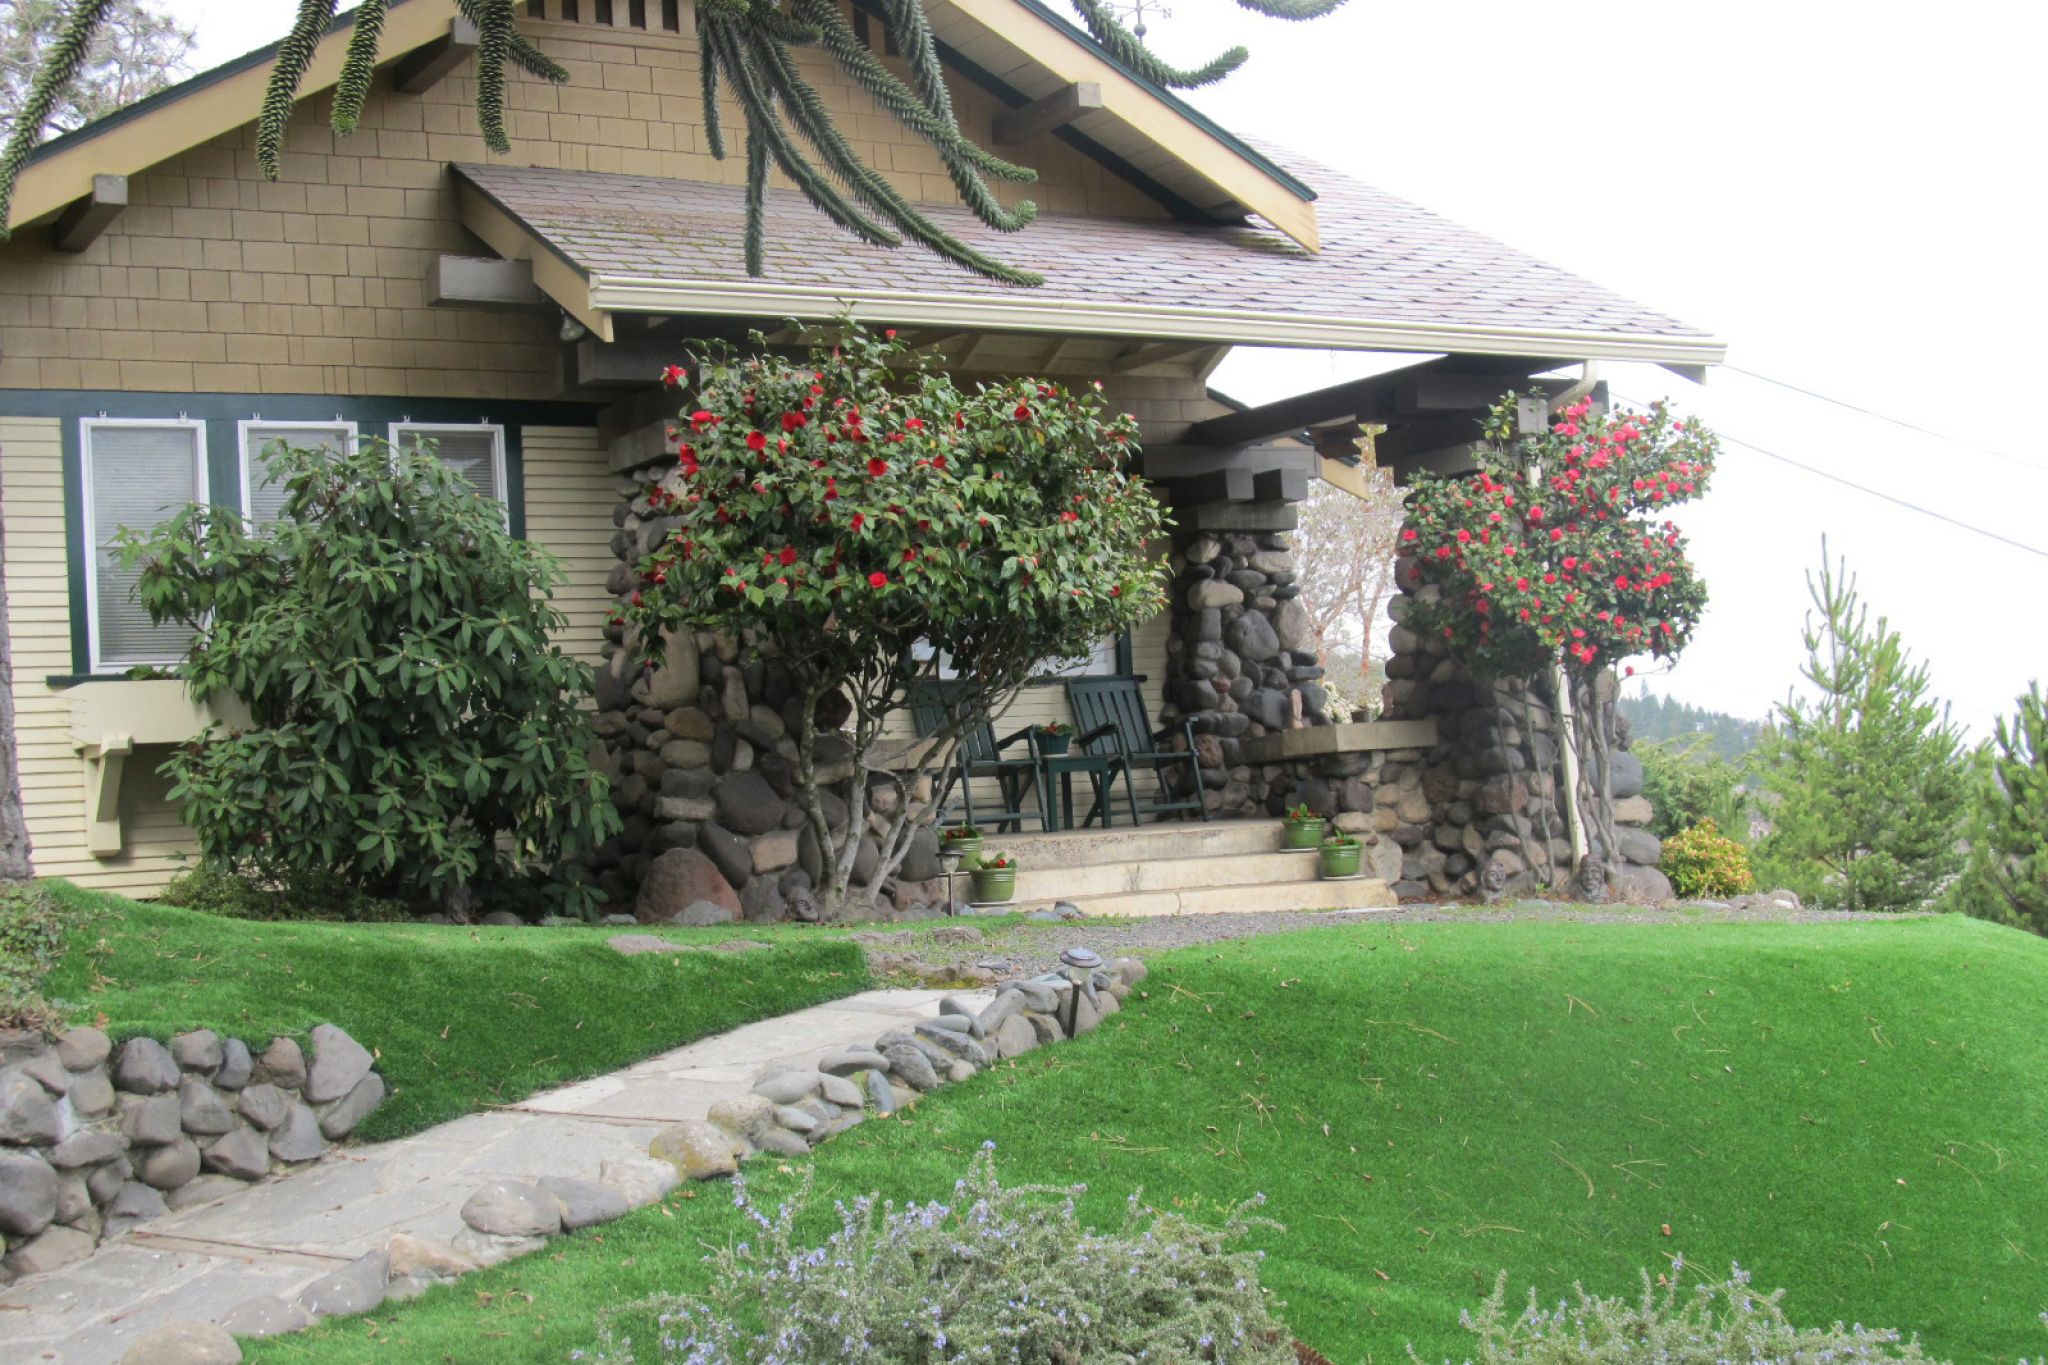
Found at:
[1017, 49]
[1389, 276]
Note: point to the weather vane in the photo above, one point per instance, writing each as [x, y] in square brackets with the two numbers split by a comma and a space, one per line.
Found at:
[1137, 10]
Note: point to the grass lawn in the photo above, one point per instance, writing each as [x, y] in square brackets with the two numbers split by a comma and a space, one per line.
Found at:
[1856, 1111]
[460, 1017]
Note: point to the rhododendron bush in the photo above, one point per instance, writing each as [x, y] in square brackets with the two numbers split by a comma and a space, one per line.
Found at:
[1559, 552]
[866, 519]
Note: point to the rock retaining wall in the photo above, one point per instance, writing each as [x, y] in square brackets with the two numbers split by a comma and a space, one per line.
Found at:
[96, 1138]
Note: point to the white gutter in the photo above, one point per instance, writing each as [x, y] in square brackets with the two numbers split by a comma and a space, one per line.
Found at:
[1046, 313]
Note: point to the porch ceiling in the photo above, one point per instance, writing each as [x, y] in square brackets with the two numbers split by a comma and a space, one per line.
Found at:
[1390, 276]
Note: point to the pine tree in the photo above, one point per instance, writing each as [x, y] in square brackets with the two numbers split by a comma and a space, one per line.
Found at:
[1868, 769]
[2007, 877]
[744, 44]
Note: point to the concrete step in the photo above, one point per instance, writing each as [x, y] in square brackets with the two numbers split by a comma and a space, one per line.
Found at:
[1139, 843]
[1043, 878]
[1362, 893]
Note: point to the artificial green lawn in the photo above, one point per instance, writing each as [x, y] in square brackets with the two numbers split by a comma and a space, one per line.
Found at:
[1857, 1111]
[460, 1017]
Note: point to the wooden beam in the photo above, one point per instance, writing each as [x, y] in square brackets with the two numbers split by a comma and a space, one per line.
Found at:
[1433, 433]
[1039, 117]
[624, 364]
[83, 220]
[1373, 399]
[482, 282]
[422, 70]
[1159, 353]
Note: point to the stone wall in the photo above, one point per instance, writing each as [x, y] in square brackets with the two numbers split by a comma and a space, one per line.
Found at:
[95, 1139]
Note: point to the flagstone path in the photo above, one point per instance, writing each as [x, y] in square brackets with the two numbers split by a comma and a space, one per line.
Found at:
[278, 1236]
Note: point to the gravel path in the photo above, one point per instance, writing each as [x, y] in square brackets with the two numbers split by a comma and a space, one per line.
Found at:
[1029, 947]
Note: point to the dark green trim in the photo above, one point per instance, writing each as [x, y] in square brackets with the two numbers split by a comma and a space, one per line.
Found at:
[1123, 653]
[222, 413]
[171, 94]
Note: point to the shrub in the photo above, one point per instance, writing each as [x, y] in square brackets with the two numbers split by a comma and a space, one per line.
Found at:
[1701, 861]
[33, 928]
[1726, 1323]
[1687, 782]
[996, 1274]
[415, 731]
[242, 893]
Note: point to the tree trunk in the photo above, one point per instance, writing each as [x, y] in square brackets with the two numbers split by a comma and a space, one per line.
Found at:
[16, 863]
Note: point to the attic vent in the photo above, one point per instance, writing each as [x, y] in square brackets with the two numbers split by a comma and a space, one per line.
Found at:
[623, 14]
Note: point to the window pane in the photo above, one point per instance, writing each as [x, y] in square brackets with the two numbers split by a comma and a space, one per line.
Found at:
[266, 495]
[471, 452]
[140, 476]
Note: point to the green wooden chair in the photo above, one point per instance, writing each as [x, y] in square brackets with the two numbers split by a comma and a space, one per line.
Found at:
[979, 754]
[1111, 711]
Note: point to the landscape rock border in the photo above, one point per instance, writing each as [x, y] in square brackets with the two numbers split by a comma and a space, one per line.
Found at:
[96, 1138]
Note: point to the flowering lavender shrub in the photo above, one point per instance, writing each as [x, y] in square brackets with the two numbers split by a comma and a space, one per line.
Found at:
[1725, 1323]
[995, 1274]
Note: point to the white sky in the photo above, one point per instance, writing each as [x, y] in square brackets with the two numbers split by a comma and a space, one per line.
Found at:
[1847, 193]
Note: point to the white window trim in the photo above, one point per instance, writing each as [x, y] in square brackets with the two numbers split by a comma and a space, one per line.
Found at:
[247, 459]
[90, 550]
[497, 430]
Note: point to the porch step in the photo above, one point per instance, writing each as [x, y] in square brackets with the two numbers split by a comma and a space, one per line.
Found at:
[1180, 839]
[1178, 869]
[1363, 893]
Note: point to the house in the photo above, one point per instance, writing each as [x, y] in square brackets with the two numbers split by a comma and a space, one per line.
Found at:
[164, 311]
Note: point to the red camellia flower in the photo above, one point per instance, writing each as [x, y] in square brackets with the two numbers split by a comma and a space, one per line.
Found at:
[1023, 412]
[878, 579]
[877, 467]
[1464, 536]
[788, 557]
[701, 419]
[756, 442]
[909, 554]
[673, 376]
[860, 519]
[1408, 534]
[915, 424]
[792, 420]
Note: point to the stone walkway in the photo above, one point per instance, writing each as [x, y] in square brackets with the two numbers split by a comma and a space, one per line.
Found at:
[279, 1236]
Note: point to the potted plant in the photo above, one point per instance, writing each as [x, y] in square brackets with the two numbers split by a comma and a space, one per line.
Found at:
[1304, 827]
[1054, 737]
[1340, 855]
[995, 880]
[962, 842]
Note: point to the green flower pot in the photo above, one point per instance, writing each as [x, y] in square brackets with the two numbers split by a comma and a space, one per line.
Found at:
[969, 850]
[1054, 745]
[1303, 834]
[994, 884]
[1341, 860]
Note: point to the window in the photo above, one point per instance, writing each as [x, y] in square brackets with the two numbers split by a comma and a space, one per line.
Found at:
[1100, 662]
[263, 497]
[135, 474]
[475, 452]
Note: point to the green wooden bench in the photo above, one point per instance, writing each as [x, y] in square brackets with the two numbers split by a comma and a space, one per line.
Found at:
[1110, 715]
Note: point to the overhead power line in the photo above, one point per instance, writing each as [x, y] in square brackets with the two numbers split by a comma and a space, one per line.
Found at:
[1879, 494]
[1981, 449]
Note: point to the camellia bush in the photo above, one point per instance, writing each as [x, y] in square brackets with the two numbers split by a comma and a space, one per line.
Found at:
[874, 525]
[1558, 553]
[414, 733]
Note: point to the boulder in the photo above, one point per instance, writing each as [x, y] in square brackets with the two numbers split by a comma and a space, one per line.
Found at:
[512, 1209]
[747, 804]
[184, 1342]
[263, 1105]
[1624, 775]
[1638, 846]
[584, 1203]
[1214, 593]
[339, 1119]
[357, 1287]
[81, 1049]
[235, 1065]
[27, 1114]
[1291, 625]
[696, 1150]
[282, 1064]
[28, 1193]
[243, 1154]
[675, 679]
[1251, 636]
[678, 879]
[265, 1316]
[339, 1062]
[53, 1247]
[198, 1051]
[298, 1137]
[92, 1094]
[730, 853]
[170, 1165]
[87, 1147]
[1632, 885]
[410, 1255]
[202, 1110]
[787, 1085]
[641, 1180]
[1633, 810]
[145, 1067]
